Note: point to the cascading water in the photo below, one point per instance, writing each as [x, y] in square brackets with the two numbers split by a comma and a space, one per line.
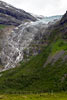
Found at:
[19, 39]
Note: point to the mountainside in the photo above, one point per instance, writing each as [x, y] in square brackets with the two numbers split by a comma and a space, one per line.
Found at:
[10, 15]
[64, 19]
[46, 71]
[14, 44]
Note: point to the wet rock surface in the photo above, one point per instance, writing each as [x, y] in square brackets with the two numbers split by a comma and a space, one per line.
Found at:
[20, 39]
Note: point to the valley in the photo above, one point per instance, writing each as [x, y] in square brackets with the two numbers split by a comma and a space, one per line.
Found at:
[33, 55]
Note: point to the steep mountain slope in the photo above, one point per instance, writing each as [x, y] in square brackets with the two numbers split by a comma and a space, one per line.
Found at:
[10, 15]
[5, 30]
[44, 72]
[14, 45]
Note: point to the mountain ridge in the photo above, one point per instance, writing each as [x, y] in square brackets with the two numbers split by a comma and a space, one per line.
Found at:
[10, 15]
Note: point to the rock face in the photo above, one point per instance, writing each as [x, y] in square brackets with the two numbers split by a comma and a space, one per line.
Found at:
[10, 15]
[64, 18]
[63, 22]
[15, 43]
[26, 34]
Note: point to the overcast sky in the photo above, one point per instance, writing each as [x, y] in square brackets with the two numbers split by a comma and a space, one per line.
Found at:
[41, 7]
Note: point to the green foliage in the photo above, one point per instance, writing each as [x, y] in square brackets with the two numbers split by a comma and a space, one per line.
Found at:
[2, 26]
[59, 45]
[32, 77]
[42, 96]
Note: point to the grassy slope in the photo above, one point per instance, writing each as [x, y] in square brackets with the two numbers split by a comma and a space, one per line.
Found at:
[43, 96]
[2, 26]
[33, 77]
